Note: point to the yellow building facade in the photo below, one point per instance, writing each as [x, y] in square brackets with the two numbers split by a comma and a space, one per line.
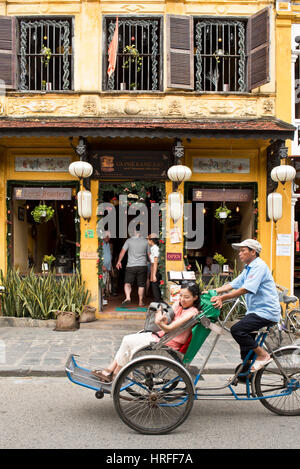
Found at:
[210, 78]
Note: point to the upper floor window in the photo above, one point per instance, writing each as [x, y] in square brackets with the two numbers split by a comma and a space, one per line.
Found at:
[45, 54]
[218, 54]
[138, 61]
[42, 57]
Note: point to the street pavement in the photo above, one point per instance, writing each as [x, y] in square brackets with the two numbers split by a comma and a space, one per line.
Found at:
[42, 351]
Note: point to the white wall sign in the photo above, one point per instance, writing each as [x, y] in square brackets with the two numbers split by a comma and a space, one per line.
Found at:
[57, 164]
[221, 165]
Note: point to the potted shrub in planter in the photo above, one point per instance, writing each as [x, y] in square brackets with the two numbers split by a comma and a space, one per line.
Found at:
[42, 213]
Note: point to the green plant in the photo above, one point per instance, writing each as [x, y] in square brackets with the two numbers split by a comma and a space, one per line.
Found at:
[133, 56]
[222, 213]
[46, 55]
[42, 213]
[220, 259]
[49, 259]
[39, 297]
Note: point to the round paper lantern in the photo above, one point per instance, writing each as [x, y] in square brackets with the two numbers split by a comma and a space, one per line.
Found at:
[81, 169]
[84, 204]
[274, 206]
[179, 173]
[175, 201]
[283, 173]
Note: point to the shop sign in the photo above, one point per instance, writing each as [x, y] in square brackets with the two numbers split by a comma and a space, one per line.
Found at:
[42, 193]
[57, 164]
[174, 256]
[222, 195]
[130, 165]
[221, 165]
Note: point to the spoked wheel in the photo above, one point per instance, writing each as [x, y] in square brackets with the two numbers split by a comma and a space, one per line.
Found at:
[294, 323]
[161, 395]
[270, 382]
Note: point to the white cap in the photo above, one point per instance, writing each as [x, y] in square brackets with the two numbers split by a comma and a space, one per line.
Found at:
[248, 243]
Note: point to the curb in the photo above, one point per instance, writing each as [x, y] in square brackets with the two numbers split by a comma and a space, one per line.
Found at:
[51, 373]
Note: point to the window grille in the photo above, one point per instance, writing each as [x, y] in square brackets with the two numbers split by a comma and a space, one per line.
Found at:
[220, 59]
[138, 60]
[45, 55]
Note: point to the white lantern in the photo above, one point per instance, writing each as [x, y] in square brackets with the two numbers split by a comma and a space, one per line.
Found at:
[84, 199]
[274, 206]
[81, 169]
[179, 173]
[283, 173]
[175, 201]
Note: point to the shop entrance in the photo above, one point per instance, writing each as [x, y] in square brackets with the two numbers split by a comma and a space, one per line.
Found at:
[44, 222]
[113, 290]
[239, 202]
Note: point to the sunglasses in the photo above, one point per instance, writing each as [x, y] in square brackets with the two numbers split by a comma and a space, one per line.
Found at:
[186, 284]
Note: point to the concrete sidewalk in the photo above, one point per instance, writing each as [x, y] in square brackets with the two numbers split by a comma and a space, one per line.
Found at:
[42, 351]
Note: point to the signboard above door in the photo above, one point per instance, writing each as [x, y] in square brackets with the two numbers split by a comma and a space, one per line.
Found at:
[222, 195]
[42, 193]
[130, 164]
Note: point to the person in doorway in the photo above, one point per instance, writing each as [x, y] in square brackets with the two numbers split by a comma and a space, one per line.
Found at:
[210, 268]
[155, 277]
[136, 268]
[263, 307]
[185, 309]
[107, 265]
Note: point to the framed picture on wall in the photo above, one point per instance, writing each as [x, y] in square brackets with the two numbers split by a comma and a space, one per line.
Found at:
[21, 213]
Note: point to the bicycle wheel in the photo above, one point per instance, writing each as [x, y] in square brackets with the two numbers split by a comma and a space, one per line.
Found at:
[161, 397]
[281, 394]
[294, 322]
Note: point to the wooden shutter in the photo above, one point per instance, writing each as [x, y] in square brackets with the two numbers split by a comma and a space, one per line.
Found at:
[8, 59]
[180, 52]
[258, 48]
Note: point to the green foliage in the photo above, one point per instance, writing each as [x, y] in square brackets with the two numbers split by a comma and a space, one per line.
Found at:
[222, 209]
[133, 56]
[39, 296]
[220, 259]
[42, 213]
[49, 259]
[46, 55]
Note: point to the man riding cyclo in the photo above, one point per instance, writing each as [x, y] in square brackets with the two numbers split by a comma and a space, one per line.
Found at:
[263, 307]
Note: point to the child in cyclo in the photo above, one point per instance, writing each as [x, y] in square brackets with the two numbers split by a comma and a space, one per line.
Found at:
[185, 309]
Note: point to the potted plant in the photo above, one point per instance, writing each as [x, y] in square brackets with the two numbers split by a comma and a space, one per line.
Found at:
[48, 260]
[132, 56]
[222, 213]
[42, 213]
[46, 53]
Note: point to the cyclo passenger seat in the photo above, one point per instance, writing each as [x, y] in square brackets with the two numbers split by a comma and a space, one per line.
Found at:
[199, 331]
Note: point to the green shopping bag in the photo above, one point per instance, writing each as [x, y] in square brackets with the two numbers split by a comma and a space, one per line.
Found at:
[199, 332]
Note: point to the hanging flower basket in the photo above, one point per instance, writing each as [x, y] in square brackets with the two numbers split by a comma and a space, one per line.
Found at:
[222, 213]
[42, 213]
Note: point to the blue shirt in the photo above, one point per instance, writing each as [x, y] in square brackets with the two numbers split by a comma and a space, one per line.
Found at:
[262, 298]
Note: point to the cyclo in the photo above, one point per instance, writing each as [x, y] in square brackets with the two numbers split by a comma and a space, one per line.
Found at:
[155, 392]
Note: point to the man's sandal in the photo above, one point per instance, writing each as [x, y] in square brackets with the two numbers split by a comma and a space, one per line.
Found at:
[259, 364]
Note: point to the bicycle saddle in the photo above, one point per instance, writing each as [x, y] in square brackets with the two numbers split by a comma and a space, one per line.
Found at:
[289, 299]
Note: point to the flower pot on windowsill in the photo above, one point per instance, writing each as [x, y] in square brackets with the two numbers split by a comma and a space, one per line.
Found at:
[123, 86]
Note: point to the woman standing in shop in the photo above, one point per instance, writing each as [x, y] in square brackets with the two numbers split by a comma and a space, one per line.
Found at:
[155, 276]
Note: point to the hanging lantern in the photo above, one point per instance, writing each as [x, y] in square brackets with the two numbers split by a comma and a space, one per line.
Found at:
[81, 169]
[84, 204]
[175, 201]
[283, 173]
[179, 173]
[274, 206]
